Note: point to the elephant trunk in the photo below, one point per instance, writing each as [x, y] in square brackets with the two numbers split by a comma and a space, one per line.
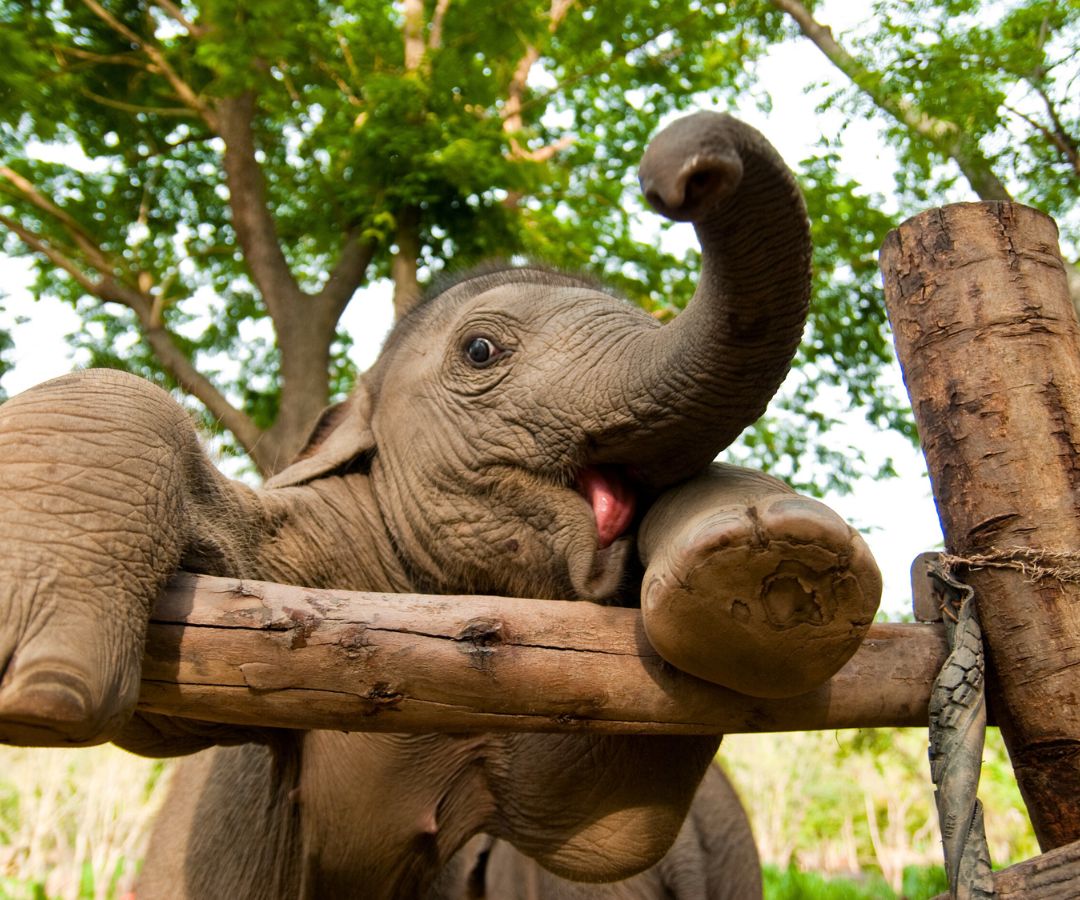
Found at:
[687, 390]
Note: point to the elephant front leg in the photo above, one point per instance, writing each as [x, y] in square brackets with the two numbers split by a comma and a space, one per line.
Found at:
[91, 512]
[753, 586]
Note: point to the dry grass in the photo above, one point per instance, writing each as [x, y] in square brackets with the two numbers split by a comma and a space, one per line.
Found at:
[73, 822]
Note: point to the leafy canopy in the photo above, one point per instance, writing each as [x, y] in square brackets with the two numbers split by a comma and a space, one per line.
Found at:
[245, 168]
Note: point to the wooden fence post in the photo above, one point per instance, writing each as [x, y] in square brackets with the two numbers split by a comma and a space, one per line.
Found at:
[990, 348]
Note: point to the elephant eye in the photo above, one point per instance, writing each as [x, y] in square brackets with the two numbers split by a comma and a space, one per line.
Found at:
[482, 351]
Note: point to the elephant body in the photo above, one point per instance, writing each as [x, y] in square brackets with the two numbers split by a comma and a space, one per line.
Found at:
[511, 438]
[233, 826]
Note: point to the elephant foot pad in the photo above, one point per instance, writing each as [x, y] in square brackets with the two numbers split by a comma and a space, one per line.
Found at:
[769, 598]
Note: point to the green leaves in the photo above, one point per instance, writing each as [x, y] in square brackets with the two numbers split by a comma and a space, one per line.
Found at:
[6, 345]
[512, 130]
[994, 85]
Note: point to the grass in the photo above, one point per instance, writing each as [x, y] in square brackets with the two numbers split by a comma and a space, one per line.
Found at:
[918, 883]
[73, 822]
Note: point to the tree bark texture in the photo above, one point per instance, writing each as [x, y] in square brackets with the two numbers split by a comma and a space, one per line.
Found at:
[990, 348]
[1051, 876]
[404, 268]
[253, 653]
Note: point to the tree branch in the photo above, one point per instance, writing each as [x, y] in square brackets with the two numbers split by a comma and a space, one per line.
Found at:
[110, 290]
[1053, 137]
[582, 74]
[174, 111]
[183, 90]
[251, 653]
[403, 267]
[413, 33]
[515, 92]
[198, 386]
[87, 245]
[177, 364]
[346, 54]
[343, 85]
[347, 275]
[438, 19]
[944, 136]
[113, 59]
[1065, 141]
[174, 12]
[255, 228]
[542, 154]
[58, 258]
[513, 121]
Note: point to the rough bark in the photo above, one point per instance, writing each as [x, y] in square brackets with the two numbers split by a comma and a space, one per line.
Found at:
[990, 348]
[1051, 876]
[252, 653]
[304, 324]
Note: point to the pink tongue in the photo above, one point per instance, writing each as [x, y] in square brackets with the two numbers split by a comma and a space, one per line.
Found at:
[612, 502]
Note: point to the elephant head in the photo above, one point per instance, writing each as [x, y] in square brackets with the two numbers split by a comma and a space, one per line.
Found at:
[515, 420]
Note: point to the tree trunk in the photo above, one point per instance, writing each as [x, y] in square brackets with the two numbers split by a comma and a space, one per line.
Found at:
[990, 348]
[304, 337]
[251, 653]
[405, 264]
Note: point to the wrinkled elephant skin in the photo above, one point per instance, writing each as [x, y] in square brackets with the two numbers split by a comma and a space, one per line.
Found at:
[510, 438]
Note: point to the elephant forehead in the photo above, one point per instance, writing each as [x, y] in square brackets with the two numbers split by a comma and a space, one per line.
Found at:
[532, 303]
[538, 306]
[533, 317]
[554, 332]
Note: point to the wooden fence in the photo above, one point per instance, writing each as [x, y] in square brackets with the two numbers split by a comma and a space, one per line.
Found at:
[990, 347]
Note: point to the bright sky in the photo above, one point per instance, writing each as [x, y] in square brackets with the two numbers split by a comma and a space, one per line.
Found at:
[897, 515]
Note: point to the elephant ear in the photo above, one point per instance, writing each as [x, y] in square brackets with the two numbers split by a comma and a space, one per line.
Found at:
[342, 436]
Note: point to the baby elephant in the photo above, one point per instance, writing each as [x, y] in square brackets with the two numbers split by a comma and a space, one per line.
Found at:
[521, 429]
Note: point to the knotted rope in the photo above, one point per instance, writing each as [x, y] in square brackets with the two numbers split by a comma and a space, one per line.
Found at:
[1032, 563]
[957, 732]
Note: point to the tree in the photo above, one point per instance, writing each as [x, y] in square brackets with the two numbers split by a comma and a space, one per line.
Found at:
[986, 86]
[247, 168]
[967, 91]
[277, 156]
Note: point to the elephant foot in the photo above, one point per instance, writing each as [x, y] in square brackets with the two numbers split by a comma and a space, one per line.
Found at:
[52, 707]
[752, 586]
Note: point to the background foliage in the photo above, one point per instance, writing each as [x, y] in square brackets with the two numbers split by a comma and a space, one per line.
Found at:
[244, 170]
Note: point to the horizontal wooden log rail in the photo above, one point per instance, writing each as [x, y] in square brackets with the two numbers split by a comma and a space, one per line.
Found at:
[259, 654]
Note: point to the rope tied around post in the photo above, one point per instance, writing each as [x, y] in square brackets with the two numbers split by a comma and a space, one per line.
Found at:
[957, 733]
[1034, 564]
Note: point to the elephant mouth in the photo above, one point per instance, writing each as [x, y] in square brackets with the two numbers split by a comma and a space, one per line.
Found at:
[613, 501]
